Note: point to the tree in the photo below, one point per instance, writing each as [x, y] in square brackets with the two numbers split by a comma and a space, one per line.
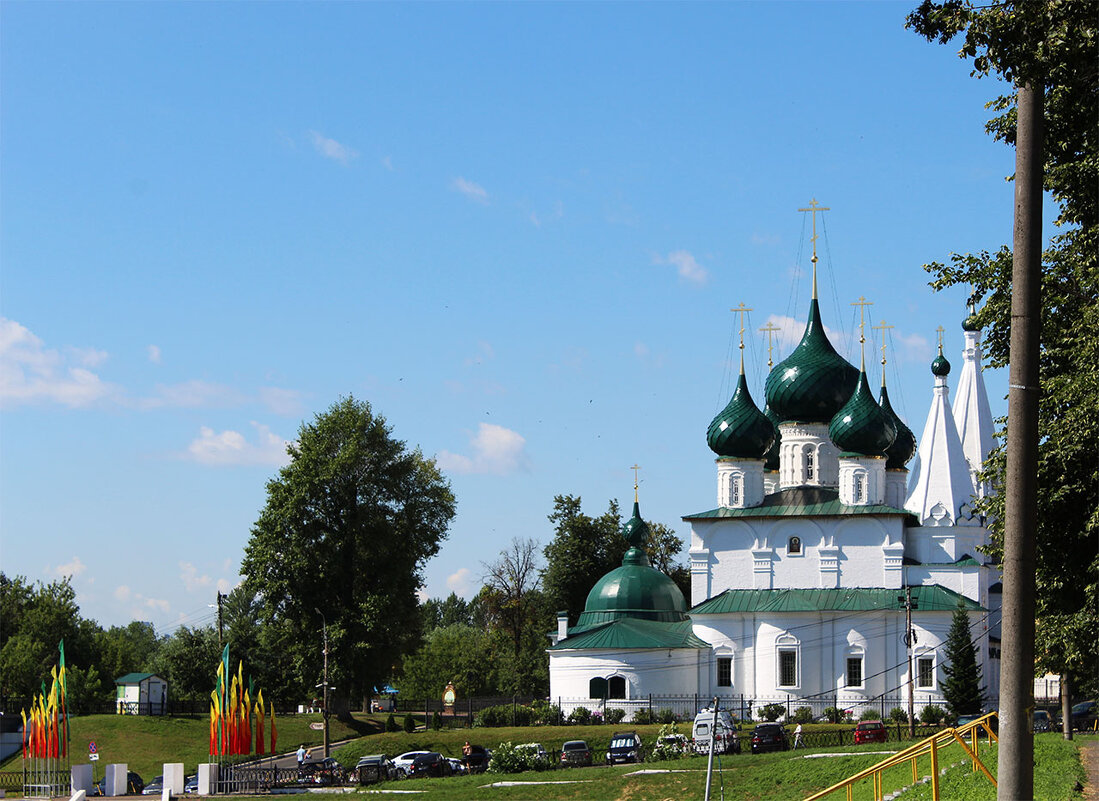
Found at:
[188, 660]
[450, 611]
[962, 688]
[583, 549]
[1050, 44]
[342, 542]
[511, 582]
[458, 653]
[664, 546]
[127, 649]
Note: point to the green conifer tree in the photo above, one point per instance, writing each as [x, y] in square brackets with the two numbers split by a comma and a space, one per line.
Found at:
[962, 687]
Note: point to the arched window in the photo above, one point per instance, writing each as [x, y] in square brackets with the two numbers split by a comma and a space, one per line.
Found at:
[597, 687]
[616, 687]
[793, 545]
[859, 493]
[810, 465]
[734, 491]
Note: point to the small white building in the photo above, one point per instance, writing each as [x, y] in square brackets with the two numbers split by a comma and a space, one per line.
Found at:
[801, 575]
[141, 694]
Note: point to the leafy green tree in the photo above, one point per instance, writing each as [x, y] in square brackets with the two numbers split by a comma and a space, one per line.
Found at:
[583, 549]
[458, 653]
[664, 546]
[1050, 44]
[127, 649]
[188, 660]
[962, 688]
[442, 612]
[342, 542]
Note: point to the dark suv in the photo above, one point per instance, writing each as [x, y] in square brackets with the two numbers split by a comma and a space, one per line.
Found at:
[769, 737]
[625, 747]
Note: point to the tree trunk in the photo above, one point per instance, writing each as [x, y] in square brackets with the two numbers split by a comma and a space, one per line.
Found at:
[1066, 706]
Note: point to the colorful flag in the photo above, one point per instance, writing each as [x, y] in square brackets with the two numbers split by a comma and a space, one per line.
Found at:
[274, 732]
[23, 713]
[259, 723]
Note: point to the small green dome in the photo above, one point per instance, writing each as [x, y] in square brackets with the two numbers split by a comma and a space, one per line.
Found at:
[771, 457]
[862, 426]
[904, 446]
[741, 429]
[970, 323]
[940, 367]
[812, 383]
[636, 589]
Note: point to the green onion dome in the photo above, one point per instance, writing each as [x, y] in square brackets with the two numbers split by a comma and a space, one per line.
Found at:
[636, 589]
[812, 383]
[741, 429]
[862, 426]
[970, 323]
[771, 457]
[904, 446]
[940, 367]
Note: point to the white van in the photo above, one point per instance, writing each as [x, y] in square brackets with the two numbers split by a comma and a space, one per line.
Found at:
[727, 741]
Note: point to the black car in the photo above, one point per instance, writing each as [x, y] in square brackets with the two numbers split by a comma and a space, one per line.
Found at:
[1084, 716]
[431, 764]
[625, 747]
[476, 760]
[769, 737]
[134, 785]
[324, 773]
[575, 754]
[376, 768]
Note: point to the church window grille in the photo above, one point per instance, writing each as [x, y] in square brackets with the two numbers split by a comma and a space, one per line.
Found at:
[787, 668]
[854, 671]
[597, 687]
[810, 466]
[860, 488]
[616, 687]
[724, 671]
[734, 492]
[925, 672]
[793, 545]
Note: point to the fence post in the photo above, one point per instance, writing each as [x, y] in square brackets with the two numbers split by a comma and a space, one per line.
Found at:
[650, 706]
[513, 710]
[427, 713]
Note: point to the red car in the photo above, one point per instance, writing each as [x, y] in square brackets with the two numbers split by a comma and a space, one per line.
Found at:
[870, 731]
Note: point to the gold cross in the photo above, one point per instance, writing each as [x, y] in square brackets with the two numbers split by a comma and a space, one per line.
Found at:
[940, 329]
[741, 310]
[862, 303]
[635, 468]
[883, 328]
[770, 328]
[814, 207]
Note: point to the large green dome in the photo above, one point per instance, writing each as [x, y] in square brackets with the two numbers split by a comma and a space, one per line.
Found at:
[904, 446]
[771, 458]
[812, 383]
[741, 429]
[634, 590]
[862, 426]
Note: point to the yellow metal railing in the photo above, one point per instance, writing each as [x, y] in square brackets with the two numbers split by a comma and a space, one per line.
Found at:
[925, 748]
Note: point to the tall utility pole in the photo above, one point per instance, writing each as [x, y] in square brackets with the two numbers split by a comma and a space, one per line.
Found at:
[324, 710]
[710, 758]
[1016, 777]
[221, 621]
[909, 641]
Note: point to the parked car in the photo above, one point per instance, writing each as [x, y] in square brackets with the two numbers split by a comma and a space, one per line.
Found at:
[769, 737]
[376, 768]
[1042, 721]
[457, 766]
[154, 787]
[575, 754]
[134, 785]
[1084, 716]
[477, 759]
[625, 747]
[324, 773]
[404, 761]
[870, 731]
[429, 763]
[536, 752]
[190, 784]
[727, 739]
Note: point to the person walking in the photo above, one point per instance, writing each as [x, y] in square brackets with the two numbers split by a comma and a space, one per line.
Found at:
[301, 757]
[797, 737]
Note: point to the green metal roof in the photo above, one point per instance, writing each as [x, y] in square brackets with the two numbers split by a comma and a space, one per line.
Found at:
[904, 446]
[133, 678]
[929, 598]
[627, 633]
[862, 426]
[965, 560]
[741, 429]
[801, 502]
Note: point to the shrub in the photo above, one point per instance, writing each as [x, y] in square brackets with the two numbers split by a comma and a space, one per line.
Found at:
[772, 712]
[505, 759]
[436, 721]
[502, 715]
[834, 715]
[667, 716]
[614, 716]
[545, 713]
[409, 724]
[870, 714]
[932, 715]
[391, 723]
[662, 750]
[581, 715]
[643, 716]
[803, 714]
[898, 715]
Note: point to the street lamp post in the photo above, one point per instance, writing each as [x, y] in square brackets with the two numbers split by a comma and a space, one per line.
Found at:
[324, 710]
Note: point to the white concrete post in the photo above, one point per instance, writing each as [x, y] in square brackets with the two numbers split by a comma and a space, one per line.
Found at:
[81, 778]
[114, 782]
[173, 777]
[207, 778]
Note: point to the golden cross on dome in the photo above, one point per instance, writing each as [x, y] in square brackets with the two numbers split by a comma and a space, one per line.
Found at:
[862, 303]
[770, 328]
[635, 468]
[814, 207]
[741, 310]
[883, 328]
[940, 329]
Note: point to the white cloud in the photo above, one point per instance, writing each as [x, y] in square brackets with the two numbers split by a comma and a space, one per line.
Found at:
[71, 568]
[233, 448]
[470, 189]
[191, 579]
[331, 149]
[225, 586]
[285, 402]
[157, 603]
[911, 348]
[485, 353]
[496, 450]
[33, 373]
[154, 353]
[122, 593]
[192, 394]
[459, 581]
[686, 266]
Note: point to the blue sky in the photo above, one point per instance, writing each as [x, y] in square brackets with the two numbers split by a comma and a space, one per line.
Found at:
[516, 230]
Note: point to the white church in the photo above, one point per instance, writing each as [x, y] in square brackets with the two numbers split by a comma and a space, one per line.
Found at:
[828, 519]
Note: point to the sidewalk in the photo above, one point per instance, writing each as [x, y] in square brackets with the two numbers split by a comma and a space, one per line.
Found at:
[1089, 755]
